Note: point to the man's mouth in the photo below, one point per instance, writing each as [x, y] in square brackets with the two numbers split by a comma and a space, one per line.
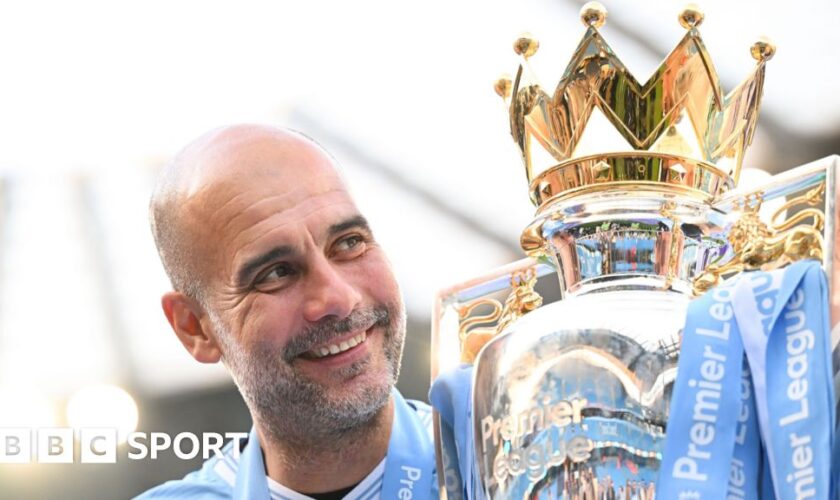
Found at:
[336, 346]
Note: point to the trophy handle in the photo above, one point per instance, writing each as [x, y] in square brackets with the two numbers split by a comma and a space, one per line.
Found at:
[453, 324]
[521, 300]
[757, 244]
[816, 186]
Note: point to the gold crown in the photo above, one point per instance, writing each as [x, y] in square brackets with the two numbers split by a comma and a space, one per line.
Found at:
[682, 133]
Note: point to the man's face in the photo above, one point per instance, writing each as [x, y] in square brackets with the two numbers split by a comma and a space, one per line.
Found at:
[300, 296]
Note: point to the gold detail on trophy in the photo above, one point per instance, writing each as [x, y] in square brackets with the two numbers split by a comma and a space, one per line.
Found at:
[473, 338]
[677, 174]
[676, 242]
[503, 86]
[757, 245]
[763, 49]
[593, 14]
[681, 130]
[526, 45]
[602, 172]
[521, 300]
[531, 240]
[691, 16]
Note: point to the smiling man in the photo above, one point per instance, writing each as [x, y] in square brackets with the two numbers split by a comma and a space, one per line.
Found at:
[277, 274]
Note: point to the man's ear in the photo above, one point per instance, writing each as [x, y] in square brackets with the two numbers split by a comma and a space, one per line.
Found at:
[184, 315]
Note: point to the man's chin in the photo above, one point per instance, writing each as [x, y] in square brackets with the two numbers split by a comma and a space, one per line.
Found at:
[357, 382]
[357, 406]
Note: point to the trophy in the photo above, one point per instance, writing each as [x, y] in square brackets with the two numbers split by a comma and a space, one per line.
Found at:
[572, 398]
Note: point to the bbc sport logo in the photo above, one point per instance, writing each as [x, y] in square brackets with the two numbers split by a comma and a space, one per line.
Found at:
[101, 445]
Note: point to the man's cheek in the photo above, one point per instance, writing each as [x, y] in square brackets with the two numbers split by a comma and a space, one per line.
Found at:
[377, 273]
[268, 332]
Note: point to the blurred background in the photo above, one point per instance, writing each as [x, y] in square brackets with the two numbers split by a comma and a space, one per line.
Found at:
[97, 95]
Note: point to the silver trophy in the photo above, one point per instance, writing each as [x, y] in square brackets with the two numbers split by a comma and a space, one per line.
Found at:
[570, 399]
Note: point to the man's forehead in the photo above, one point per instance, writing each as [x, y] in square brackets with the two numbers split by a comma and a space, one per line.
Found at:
[266, 208]
[236, 182]
[237, 167]
[246, 156]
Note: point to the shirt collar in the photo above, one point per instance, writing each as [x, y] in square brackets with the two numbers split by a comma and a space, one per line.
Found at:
[250, 478]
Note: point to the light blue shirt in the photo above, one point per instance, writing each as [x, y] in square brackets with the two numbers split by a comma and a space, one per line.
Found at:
[227, 476]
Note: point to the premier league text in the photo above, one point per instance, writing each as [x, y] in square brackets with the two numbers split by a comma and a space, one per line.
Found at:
[537, 456]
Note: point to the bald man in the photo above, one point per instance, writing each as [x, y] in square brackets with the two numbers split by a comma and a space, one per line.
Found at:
[277, 274]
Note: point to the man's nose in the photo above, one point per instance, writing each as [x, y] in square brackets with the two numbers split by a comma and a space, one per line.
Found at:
[328, 292]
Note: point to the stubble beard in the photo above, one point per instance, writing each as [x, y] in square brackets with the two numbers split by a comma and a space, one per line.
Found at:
[300, 413]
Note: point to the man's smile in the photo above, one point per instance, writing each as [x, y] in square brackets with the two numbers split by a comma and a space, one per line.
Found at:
[349, 348]
[337, 346]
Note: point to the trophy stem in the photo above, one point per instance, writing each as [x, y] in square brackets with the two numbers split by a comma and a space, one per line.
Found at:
[640, 241]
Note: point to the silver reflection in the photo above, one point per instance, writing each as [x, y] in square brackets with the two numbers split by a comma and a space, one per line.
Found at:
[571, 401]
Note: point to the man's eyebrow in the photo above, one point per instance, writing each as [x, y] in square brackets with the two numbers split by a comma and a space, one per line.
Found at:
[354, 222]
[243, 276]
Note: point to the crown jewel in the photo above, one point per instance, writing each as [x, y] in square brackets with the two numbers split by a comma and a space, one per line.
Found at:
[681, 132]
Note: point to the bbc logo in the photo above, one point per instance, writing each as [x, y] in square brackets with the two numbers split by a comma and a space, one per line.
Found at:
[56, 445]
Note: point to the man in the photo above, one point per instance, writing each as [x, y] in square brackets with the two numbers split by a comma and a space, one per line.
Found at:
[277, 274]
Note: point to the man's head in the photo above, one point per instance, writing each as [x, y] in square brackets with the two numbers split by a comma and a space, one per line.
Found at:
[278, 274]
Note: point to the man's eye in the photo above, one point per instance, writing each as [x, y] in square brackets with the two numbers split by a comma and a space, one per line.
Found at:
[352, 245]
[274, 274]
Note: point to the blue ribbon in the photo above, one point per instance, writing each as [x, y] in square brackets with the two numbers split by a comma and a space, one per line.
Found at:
[705, 404]
[799, 400]
[410, 462]
[773, 438]
[451, 396]
[745, 469]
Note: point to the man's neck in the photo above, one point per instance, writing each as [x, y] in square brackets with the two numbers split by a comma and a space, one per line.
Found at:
[340, 463]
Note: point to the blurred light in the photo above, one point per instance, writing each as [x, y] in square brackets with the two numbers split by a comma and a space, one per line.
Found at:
[449, 348]
[25, 407]
[103, 406]
[45, 214]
